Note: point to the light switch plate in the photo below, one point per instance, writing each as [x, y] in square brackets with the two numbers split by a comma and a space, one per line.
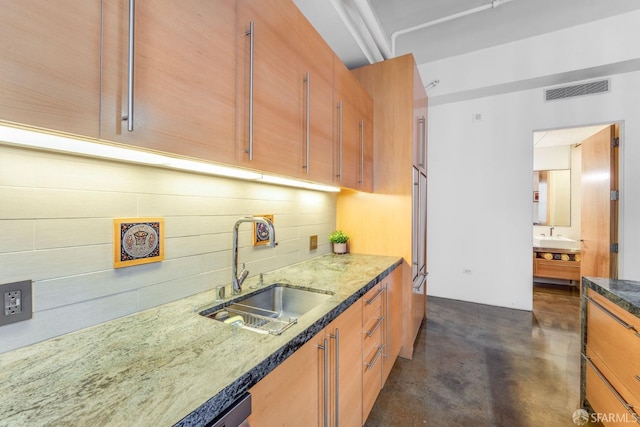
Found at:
[16, 302]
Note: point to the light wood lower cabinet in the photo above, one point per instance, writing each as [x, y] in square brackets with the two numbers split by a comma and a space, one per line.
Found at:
[393, 321]
[612, 365]
[290, 394]
[373, 325]
[320, 384]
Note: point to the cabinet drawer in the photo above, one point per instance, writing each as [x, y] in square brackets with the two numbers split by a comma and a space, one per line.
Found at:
[371, 378]
[614, 346]
[569, 270]
[604, 399]
[372, 304]
[372, 338]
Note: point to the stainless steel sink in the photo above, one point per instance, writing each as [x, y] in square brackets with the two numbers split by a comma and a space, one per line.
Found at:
[271, 310]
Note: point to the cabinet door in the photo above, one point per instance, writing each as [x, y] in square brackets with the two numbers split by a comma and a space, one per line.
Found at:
[346, 127]
[290, 394]
[419, 122]
[393, 321]
[364, 164]
[316, 75]
[345, 345]
[372, 347]
[183, 77]
[269, 86]
[50, 61]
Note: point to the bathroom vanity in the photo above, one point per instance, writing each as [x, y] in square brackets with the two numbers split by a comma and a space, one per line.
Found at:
[556, 263]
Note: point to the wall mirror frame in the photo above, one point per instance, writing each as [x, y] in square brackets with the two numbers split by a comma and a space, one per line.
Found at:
[552, 197]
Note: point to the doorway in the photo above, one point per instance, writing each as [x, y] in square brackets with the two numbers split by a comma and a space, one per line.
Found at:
[575, 203]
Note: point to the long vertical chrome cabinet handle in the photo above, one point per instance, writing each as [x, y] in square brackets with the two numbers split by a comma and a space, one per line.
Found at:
[340, 142]
[336, 353]
[251, 34]
[385, 354]
[361, 152]
[423, 138]
[307, 80]
[325, 349]
[129, 116]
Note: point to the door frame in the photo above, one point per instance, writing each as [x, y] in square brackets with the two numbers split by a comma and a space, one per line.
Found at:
[621, 163]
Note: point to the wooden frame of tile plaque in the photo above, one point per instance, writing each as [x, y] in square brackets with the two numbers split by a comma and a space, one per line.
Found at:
[137, 241]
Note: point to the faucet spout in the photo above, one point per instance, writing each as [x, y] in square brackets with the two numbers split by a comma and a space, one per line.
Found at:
[239, 280]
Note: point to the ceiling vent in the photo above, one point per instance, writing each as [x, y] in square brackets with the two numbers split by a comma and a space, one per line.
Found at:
[600, 86]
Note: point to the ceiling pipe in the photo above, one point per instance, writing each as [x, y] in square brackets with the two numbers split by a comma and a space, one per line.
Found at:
[365, 41]
[396, 34]
[373, 26]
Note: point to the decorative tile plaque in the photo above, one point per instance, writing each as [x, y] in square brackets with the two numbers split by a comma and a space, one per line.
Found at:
[137, 241]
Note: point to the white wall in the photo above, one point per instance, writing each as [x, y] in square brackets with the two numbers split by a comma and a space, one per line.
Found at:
[56, 228]
[480, 211]
[479, 202]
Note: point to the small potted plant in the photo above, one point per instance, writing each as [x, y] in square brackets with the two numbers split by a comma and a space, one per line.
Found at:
[339, 240]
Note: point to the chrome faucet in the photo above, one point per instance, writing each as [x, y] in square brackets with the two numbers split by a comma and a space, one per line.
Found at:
[239, 280]
[551, 231]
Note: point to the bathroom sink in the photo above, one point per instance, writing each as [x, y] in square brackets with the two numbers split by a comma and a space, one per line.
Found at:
[270, 310]
[555, 242]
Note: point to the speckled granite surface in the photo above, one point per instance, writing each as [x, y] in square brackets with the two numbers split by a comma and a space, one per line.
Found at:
[169, 365]
[624, 293]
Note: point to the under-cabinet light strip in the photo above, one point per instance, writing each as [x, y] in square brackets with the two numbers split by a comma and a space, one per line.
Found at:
[95, 148]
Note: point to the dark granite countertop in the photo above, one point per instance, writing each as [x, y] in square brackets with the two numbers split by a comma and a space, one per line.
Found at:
[170, 365]
[624, 293]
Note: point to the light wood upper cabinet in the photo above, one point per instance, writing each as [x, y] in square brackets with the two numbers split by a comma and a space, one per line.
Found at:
[420, 122]
[364, 164]
[50, 64]
[353, 131]
[316, 78]
[269, 86]
[183, 76]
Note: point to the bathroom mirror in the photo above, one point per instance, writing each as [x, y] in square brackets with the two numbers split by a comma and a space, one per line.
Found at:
[552, 197]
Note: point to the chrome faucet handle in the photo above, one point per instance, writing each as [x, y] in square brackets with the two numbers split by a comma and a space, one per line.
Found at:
[261, 282]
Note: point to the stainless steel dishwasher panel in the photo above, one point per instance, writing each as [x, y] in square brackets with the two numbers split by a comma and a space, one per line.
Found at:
[236, 415]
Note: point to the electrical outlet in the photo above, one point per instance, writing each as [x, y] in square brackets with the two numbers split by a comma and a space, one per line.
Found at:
[16, 298]
[12, 302]
[313, 242]
[466, 270]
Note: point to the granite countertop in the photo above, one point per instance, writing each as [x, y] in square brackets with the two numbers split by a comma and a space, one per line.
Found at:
[624, 293]
[169, 365]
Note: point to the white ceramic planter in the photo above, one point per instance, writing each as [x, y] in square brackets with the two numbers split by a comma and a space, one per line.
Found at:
[339, 248]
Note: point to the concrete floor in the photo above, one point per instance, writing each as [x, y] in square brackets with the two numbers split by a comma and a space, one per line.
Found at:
[477, 365]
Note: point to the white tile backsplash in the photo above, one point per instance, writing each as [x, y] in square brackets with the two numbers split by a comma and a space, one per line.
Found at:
[56, 228]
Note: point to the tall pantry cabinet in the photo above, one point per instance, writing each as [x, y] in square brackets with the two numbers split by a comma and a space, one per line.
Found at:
[392, 219]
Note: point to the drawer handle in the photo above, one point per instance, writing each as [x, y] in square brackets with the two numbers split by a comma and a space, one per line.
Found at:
[369, 302]
[371, 364]
[628, 407]
[375, 328]
[636, 377]
[612, 315]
